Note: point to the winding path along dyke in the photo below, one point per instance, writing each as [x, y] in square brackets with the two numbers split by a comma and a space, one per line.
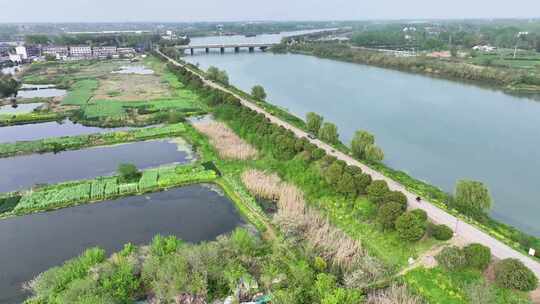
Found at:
[466, 231]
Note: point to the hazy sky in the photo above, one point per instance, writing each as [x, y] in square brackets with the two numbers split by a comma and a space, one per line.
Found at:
[229, 10]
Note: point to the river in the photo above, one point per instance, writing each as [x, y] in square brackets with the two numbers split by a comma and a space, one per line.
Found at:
[34, 243]
[436, 130]
[22, 172]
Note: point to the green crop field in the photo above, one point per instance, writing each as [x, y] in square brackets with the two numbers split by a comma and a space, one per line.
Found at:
[101, 188]
[80, 92]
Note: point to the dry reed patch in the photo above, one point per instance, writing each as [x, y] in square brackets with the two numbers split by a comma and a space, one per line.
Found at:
[393, 295]
[264, 185]
[228, 144]
[299, 221]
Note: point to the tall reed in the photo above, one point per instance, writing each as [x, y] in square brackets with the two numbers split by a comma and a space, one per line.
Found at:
[226, 142]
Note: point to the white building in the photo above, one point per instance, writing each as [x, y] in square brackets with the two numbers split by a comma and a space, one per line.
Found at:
[104, 51]
[16, 58]
[80, 51]
[21, 50]
[59, 52]
[126, 52]
[484, 48]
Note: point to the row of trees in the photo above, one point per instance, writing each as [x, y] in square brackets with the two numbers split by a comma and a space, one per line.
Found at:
[362, 145]
[347, 180]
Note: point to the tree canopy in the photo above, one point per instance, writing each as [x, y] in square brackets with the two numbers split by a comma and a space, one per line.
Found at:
[472, 197]
[329, 133]
[258, 92]
[313, 122]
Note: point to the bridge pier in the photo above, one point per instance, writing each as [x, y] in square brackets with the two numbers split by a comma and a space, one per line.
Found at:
[263, 48]
[222, 50]
[207, 50]
[236, 49]
[192, 51]
[251, 49]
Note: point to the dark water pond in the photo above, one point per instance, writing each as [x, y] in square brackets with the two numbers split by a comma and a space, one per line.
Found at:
[48, 129]
[32, 244]
[23, 172]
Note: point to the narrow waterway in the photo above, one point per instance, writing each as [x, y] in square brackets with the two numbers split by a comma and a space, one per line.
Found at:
[34, 243]
[48, 129]
[436, 130]
[22, 172]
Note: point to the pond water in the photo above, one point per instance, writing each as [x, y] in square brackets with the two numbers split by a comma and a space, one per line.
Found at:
[134, 69]
[40, 90]
[34, 243]
[48, 129]
[22, 172]
[21, 108]
[436, 130]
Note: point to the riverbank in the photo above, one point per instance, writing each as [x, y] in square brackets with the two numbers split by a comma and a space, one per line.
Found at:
[506, 79]
[400, 115]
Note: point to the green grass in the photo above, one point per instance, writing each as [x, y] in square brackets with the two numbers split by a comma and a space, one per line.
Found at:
[81, 92]
[440, 286]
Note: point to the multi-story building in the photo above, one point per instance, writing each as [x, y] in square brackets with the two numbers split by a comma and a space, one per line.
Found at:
[104, 51]
[21, 51]
[80, 51]
[60, 52]
[126, 52]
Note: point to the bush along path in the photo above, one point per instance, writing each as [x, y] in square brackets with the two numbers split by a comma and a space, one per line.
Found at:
[465, 230]
[57, 144]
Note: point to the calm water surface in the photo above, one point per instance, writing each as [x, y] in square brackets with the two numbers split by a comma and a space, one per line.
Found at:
[21, 108]
[34, 243]
[48, 129]
[22, 172]
[436, 130]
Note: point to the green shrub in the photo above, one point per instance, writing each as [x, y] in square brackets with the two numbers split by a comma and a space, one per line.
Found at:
[420, 214]
[388, 214]
[377, 191]
[511, 273]
[478, 256]
[410, 226]
[441, 232]
[452, 258]
[398, 197]
[128, 173]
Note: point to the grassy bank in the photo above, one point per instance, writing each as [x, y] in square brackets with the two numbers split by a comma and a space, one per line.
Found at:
[504, 78]
[57, 144]
[29, 118]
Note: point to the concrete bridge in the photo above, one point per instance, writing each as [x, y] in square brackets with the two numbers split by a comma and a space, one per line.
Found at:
[235, 46]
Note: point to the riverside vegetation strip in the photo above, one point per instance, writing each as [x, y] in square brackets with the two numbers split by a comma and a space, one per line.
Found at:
[339, 206]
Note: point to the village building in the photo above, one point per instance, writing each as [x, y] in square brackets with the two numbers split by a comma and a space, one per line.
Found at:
[80, 51]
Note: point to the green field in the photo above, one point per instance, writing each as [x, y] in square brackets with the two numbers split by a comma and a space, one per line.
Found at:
[80, 93]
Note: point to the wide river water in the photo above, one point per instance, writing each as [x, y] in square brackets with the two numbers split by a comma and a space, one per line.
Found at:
[436, 130]
[34, 243]
[22, 172]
